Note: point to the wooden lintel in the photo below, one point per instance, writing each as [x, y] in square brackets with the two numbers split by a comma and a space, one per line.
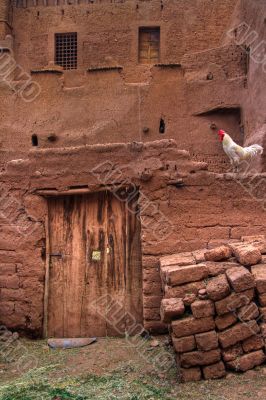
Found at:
[53, 192]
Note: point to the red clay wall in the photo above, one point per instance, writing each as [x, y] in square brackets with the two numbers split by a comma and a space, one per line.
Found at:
[183, 207]
[81, 107]
[110, 29]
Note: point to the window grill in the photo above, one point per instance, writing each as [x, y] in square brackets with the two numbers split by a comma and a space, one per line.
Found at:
[66, 50]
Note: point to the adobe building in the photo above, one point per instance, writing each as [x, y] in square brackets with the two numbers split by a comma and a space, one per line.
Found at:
[109, 155]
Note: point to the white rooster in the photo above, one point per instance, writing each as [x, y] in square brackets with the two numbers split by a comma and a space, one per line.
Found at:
[236, 153]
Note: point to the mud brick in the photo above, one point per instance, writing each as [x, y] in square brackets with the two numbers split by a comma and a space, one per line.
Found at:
[249, 312]
[261, 246]
[199, 255]
[257, 241]
[150, 262]
[152, 288]
[190, 326]
[263, 259]
[215, 371]
[218, 288]
[253, 238]
[218, 268]
[190, 273]
[151, 314]
[238, 333]
[234, 301]
[13, 294]
[232, 352]
[171, 308]
[157, 327]
[9, 282]
[247, 361]
[7, 269]
[189, 299]
[182, 291]
[262, 311]
[184, 344]
[202, 308]
[218, 254]
[151, 275]
[262, 299]
[190, 374]
[173, 261]
[224, 321]
[198, 358]
[263, 330]
[214, 243]
[253, 343]
[177, 259]
[246, 254]
[259, 273]
[207, 341]
[163, 271]
[240, 278]
[152, 301]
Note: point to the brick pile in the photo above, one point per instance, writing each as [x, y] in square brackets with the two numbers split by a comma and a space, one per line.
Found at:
[215, 306]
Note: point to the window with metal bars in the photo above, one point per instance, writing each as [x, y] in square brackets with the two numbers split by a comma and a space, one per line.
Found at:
[66, 53]
[149, 45]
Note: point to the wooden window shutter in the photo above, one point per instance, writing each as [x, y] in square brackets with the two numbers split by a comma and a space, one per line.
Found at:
[149, 45]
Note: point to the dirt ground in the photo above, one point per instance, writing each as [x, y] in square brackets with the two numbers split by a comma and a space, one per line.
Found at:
[110, 369]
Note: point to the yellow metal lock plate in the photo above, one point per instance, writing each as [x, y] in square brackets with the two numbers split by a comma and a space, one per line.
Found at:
[96, 255]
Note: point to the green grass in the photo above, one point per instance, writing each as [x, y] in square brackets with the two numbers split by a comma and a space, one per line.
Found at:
[90, 387]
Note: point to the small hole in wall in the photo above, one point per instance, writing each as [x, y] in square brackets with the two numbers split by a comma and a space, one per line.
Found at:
[162, 126]
[38, 14]
[62, 12]
[34, 140]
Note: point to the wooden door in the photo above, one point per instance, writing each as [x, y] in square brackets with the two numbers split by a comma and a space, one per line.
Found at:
[149, 45]
[95, 275]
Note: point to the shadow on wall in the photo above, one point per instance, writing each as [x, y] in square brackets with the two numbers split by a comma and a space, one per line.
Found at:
[227, 118]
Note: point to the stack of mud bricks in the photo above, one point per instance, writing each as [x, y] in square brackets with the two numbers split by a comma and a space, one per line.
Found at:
[215, 306]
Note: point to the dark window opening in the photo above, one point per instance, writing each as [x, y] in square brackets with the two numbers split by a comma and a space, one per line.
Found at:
[162, 126]
[149, 45]
[34, 140]
[66, 50]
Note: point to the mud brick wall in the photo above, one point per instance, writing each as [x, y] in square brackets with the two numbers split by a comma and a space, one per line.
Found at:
[203, 78]
[110, 29]
[214, 306]
[188, 209]
[229, 61]
[127, 104]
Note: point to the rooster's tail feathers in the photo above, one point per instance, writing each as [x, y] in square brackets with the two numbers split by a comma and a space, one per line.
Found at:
[254, 150]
